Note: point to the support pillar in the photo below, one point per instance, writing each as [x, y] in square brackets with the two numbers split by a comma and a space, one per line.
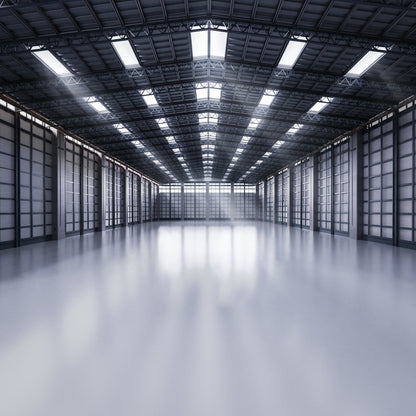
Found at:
[356, 186]
[103, 194]
[290, 196]
[313, 189]
[59, 186]
[126, 197]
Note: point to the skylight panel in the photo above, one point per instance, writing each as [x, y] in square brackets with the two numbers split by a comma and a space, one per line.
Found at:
[214, 93]
[125, 52]
[208, 118]
[245, 140]
[278, 144]
[218, 43]
[202, 93]
[121, 128]
[149, 98]
[295, 128]
[52, 62]
[268, 97]
[138, 144]
[95, 104]
[199, 40]
[320, 105]
[163, 124]
[292, 53]
[254, 122]
[365, 63]
[171, 139]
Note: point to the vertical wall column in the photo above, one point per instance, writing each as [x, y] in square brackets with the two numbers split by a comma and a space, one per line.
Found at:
[313, 189]
[103, 195]
[182, 202]
[207, 201]
[395, 177]
[290, 197]
[17, 179]
[59, 186]
[356, 186]
[125, 197]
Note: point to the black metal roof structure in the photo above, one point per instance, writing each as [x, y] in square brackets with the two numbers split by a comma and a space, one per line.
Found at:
[336, 33]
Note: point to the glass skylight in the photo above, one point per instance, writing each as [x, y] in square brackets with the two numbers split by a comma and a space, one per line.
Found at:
[209, 43]
[125, 52]
[163, 124]
[245, 140]
[365, 63]
[95, 104]
[292, 53]
[278, 144]
[52, 62]
[208, 118]
[149, 98]
[320, 105]
[268, 97]
[121, 128]
[254, 122]
[208, 90]
[294, 128]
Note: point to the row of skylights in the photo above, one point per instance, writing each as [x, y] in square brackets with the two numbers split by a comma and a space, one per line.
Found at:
[320, 105]
[265, 101]
[175, 148]
[208, 91]
[121, 128]
[208, 118]
[163, 124]
[207, 42]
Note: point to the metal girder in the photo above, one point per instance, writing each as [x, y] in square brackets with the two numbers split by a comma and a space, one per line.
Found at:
[248, 26]
[140, 77]
[287, 115]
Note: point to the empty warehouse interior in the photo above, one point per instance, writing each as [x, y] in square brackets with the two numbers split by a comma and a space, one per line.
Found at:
[207, 207]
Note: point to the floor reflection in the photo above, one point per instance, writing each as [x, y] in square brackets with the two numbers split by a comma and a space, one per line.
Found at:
[207, 318]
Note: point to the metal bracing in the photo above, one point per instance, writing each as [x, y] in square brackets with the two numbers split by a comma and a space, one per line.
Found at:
[240, 25]
[215, 71]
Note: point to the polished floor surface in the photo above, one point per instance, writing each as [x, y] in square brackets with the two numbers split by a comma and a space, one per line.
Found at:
[208, 319]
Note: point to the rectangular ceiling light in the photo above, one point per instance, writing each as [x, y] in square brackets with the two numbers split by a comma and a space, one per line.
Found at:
[320, 105]
[218, 43]
[268, 97]
[214, 91]
[278, 144]
[365, 63]
[125, 52]
[202, 93]
[294, 128]
[163, 124]
[52, 62]
[149, 98]
[121, 128]
[254, 122]
[292, 52]
[95, 104]
[199, 40]
[245, 140]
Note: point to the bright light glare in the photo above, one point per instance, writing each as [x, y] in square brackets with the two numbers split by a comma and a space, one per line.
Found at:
[126, 53]
[218, 43]
[199, 41]
[364, 64]
[292, 52]
[320, 105]
[52, 62]
[149, 98]
[267, 98]
[121, 128]
[294, 128]
[254, 122]
[96, 105]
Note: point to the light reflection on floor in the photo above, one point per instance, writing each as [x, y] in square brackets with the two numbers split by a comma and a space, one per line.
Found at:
[207, 319]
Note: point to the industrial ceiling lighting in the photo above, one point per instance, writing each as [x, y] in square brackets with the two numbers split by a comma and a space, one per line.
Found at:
[95, 104]
[208, 90]
[294, 129]
[278, 143]
[125, 52]
[121, 128]
[208, 118]
[245, 140]
[51, 61]
[163, 124]
[320, 105]
[254, 122]
[149, 98]
[292, 52]
[209, 43]
[366, 62]
[268, 97]
[138, 144]
[171, 139]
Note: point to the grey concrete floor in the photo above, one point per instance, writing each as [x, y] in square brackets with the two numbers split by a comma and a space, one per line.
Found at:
[208, 319]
